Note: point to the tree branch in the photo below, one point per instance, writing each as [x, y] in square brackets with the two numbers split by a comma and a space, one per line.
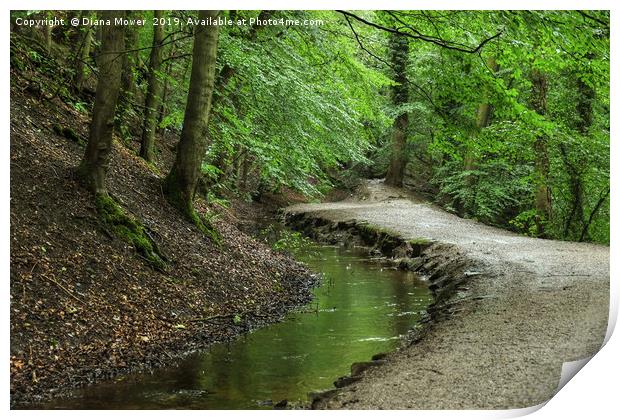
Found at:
[176, 57]
[418, 35]
[594, 18]
[600, 202]
[362, 45]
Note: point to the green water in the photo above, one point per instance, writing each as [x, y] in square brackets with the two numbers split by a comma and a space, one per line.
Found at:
[364, 307]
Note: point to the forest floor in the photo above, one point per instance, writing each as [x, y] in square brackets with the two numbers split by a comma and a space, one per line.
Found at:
[532, 305]
[85, 306]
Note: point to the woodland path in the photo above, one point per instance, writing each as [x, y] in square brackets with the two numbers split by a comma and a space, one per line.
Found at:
[538, 303]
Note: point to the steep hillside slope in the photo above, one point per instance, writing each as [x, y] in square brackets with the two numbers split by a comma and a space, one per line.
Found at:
[84, 304]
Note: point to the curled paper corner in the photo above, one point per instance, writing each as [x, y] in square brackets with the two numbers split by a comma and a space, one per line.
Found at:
[519, 412]
[570, 369]
[614, 300]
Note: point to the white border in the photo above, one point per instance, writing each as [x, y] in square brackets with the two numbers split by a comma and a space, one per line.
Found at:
[592, 393]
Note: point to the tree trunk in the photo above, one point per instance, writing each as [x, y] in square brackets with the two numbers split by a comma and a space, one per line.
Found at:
[82, 59]
[162, 106]
[584, 104]
[164, 97]
[128, 84]
[130, 59]
[153, 94]
[399, 48]
[538, 102]
[94, 164]
[483, 114]
[396, 169]
[575, 222]
[483, 119]
[180, 184]
[47, 32]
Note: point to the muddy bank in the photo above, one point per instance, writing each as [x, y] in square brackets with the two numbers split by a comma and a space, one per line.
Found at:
[509, 310]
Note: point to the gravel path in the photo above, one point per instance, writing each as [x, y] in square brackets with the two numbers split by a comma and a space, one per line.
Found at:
[537, 304]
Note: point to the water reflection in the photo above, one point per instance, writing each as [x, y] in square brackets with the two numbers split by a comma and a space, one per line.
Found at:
[363, 309]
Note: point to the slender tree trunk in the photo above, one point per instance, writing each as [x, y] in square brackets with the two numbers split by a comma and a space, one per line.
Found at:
[98, 36]
[128, 84]
[542, 202]
[399, 48]
[483, 114]
[180, 184]
[396, 169]
[84, 48]
[587, 95]
[483, 119]
[47, 32]
[162, 107]
[153, 94]
[94, 164]
[164, 97]
[575, 220]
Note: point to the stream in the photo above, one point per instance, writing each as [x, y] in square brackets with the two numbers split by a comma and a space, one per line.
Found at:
[363, 306]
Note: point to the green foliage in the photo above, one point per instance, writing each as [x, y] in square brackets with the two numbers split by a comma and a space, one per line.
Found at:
[299, 104]
[499, 185]
[419, 241]
[211, 172]
[489, 172]
[290, 241]
[310, 107]
[174, 119]
[525, 222]
[80, 107]
[285, 240]
[218, 201]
